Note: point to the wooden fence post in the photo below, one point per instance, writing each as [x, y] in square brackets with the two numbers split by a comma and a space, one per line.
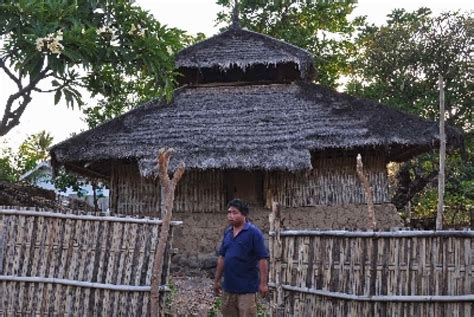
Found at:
[369, 193]
[169, 186]
[275, 260]
[442, 157]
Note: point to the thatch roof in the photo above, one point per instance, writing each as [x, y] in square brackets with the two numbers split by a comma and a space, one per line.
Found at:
[243, 49]
[270, 127]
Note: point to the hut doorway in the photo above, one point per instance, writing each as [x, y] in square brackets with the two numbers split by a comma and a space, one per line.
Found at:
[246, 185]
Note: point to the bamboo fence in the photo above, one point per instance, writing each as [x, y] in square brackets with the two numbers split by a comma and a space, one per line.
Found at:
[77, 264]
[366, 273]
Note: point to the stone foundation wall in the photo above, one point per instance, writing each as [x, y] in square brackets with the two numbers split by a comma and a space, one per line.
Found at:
[199, 238]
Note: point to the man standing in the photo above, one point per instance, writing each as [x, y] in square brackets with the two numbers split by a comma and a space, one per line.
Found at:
[243, 260]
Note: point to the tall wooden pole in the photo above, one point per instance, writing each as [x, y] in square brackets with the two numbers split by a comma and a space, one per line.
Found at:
[442, 157]
[275, 244]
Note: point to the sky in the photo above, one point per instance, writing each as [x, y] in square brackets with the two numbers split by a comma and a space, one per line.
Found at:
[190, 15]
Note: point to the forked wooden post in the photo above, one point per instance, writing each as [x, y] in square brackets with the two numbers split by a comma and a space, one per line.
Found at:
[369, 193]
[275, 247]
[169, 186]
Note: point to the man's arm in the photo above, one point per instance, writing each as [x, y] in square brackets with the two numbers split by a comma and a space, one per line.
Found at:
[219, 271]
[263, 285]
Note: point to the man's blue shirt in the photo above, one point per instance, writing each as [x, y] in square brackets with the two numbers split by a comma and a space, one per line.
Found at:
[241, 255]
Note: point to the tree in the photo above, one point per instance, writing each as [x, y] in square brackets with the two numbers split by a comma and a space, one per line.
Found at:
[321, 27]
[33, 151]
[398, 64]
[8, 171]
[113, 49]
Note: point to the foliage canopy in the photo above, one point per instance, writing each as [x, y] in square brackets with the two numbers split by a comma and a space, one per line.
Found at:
[112, 49]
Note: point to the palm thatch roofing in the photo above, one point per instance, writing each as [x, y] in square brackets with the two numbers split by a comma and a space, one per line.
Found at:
[252, 126]
[241, 49]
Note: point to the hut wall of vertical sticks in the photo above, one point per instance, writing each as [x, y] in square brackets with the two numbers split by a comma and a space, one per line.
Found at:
[249, 122]
[332, 181]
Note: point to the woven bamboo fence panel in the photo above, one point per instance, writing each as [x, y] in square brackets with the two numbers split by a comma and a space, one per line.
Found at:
[198, 191]
[76, 265]
[343, 273]
[332, 182]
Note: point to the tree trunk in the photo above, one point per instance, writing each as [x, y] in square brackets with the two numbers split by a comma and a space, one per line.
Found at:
[168, 185]
[407, 187]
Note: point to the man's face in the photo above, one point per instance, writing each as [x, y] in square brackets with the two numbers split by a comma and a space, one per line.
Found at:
[235, 217]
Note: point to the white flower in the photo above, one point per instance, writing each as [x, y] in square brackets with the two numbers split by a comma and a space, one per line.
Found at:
[137, 30]
[40, 44]
[59, 35]
[55, 47]
[169, 49]
[133, 29]
[51, 43]
[103, 30]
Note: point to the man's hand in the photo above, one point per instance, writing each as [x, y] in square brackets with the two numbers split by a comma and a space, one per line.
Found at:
[263, 289]
[217, 288]
[219, 271]
[263, 285]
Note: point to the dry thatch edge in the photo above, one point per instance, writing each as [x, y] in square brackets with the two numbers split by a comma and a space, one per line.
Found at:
[62, 281]
[244, 65]
[374, 234]
[84, 217]
[380, 298]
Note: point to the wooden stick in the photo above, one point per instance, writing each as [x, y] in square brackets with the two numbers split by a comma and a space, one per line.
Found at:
[275, 258]
[380, 298]
[169, 186]
[369, 192]
[69, 282]
[442, 157]
[48, 214]
[377, 234]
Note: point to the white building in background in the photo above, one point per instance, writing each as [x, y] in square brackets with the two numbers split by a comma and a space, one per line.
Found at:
[42, 175]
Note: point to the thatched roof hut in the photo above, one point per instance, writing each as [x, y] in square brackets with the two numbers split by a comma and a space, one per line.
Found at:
[248, 121]
[271, 117]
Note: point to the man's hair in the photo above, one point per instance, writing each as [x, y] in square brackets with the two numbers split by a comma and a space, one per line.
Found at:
[240, 205]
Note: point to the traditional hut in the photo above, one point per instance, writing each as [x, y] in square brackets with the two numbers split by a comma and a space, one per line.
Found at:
[249, 122]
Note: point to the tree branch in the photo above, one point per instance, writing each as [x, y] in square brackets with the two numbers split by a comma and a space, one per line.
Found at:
[10, 74]
[11, 118]
[66, 82]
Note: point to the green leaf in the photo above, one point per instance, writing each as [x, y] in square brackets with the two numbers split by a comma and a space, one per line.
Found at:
[57, 97]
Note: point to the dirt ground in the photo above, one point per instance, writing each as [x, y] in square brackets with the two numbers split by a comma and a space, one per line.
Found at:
[192, 294]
